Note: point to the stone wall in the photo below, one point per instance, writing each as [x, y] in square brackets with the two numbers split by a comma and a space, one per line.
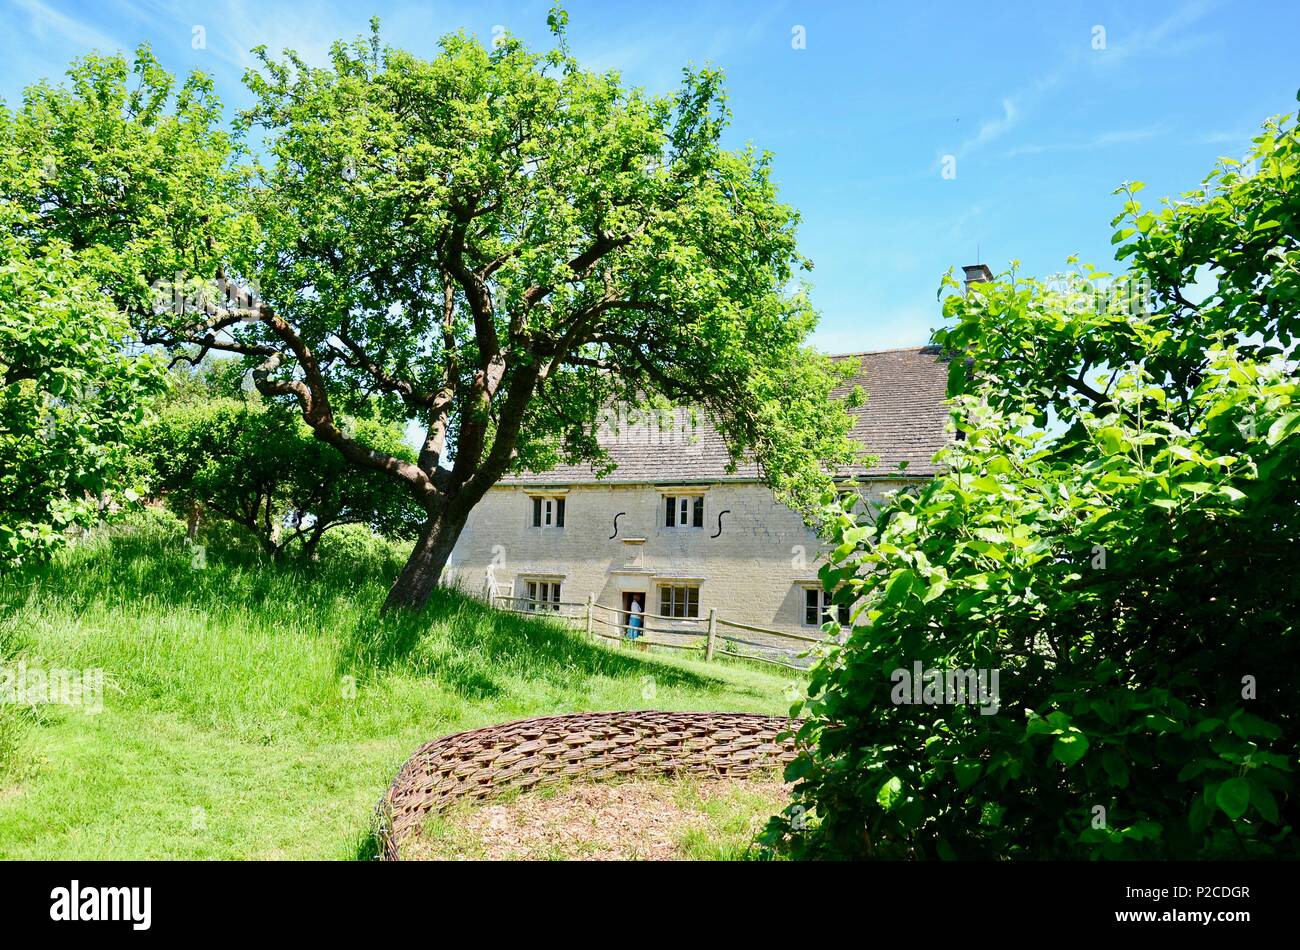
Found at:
[755, 570]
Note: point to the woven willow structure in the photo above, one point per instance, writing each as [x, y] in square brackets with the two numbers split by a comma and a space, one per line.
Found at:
[586, 746]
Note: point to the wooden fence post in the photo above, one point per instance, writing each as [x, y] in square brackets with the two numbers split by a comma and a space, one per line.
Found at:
[591, 599]
[713, 633]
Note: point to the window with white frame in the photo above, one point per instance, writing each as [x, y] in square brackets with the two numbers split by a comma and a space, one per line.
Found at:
[548, 511]
[679, 600]
[543, 595]
[818, 608]
[683, 511]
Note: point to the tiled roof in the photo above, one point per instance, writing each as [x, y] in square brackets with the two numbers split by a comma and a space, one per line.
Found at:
[903, 420]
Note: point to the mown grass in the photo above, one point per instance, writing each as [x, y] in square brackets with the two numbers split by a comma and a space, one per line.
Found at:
[259, 711]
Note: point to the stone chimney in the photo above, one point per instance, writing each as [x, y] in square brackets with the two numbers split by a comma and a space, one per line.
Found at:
[976, 273]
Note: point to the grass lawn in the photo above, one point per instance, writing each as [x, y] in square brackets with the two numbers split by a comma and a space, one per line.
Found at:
[259, 711]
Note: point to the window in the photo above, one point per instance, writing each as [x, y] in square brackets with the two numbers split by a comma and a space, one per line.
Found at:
[548, 512]
[543, 595]
[684, 511]
[817, 605]
[679, 600]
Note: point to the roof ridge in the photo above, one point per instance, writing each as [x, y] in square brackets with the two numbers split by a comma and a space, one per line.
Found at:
[904, 420]
[892, 349]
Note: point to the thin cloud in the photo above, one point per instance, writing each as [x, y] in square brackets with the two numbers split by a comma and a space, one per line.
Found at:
[46, 21]
[1160, 38]
[957, 229]
[1014, 109]
[1241, 139]
[992, 129]
[1020, 104]
[1104, 140]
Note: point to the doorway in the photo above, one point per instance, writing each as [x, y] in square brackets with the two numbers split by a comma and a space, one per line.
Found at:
[628, 596]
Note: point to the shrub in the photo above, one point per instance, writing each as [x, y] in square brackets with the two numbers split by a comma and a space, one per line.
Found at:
[257, 467]
[356, 543]
[1115, 536]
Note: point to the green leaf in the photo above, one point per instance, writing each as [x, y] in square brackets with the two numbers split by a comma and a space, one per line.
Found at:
[937, 586]
[1248, 725]
[1070, 747]
[956, 378]
[900, 586]
[967, 773]
[1282, 427]
[1198, 817]
[890, 793]
[1112, 439]
[1142, 831]
[1116, 767]
[1232, 797]
[1160, 723]
[1263, 800]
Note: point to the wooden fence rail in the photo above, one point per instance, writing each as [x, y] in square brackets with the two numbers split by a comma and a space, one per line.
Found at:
[690, 633]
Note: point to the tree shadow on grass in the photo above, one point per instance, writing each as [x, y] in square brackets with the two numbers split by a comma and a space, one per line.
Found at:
[456, 639]
[460, 640]
[130, 566]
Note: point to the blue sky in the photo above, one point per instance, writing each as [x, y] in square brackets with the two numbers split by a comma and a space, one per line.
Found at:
[1045, 107]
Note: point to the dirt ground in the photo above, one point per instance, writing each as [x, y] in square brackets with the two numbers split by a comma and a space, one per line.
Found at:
[648, 820]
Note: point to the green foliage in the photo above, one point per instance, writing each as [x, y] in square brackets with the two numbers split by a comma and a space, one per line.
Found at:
[494, 244]
[359, 544]
[590, 231]
[129, 171]
[1115, 534]
[70, 396]
[210, 378]
[105, 185]
[260, 467]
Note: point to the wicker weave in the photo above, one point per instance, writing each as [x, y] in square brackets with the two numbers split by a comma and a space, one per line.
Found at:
[590, 746]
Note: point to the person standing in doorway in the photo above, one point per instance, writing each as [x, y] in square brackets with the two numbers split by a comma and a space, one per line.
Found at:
[635, 618]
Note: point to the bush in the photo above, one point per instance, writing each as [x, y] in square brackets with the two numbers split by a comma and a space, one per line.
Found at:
[1114, 537]
[358, 544]
[253, 465]
[152, 520]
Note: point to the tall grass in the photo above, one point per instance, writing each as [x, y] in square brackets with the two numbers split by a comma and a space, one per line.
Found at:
[258, 710]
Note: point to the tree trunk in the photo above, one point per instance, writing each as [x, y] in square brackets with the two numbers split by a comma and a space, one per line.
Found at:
[192, 522]
[423, 569]
[310, 545]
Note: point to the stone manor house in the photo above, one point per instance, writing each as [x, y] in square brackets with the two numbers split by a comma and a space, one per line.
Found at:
[670, 524]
